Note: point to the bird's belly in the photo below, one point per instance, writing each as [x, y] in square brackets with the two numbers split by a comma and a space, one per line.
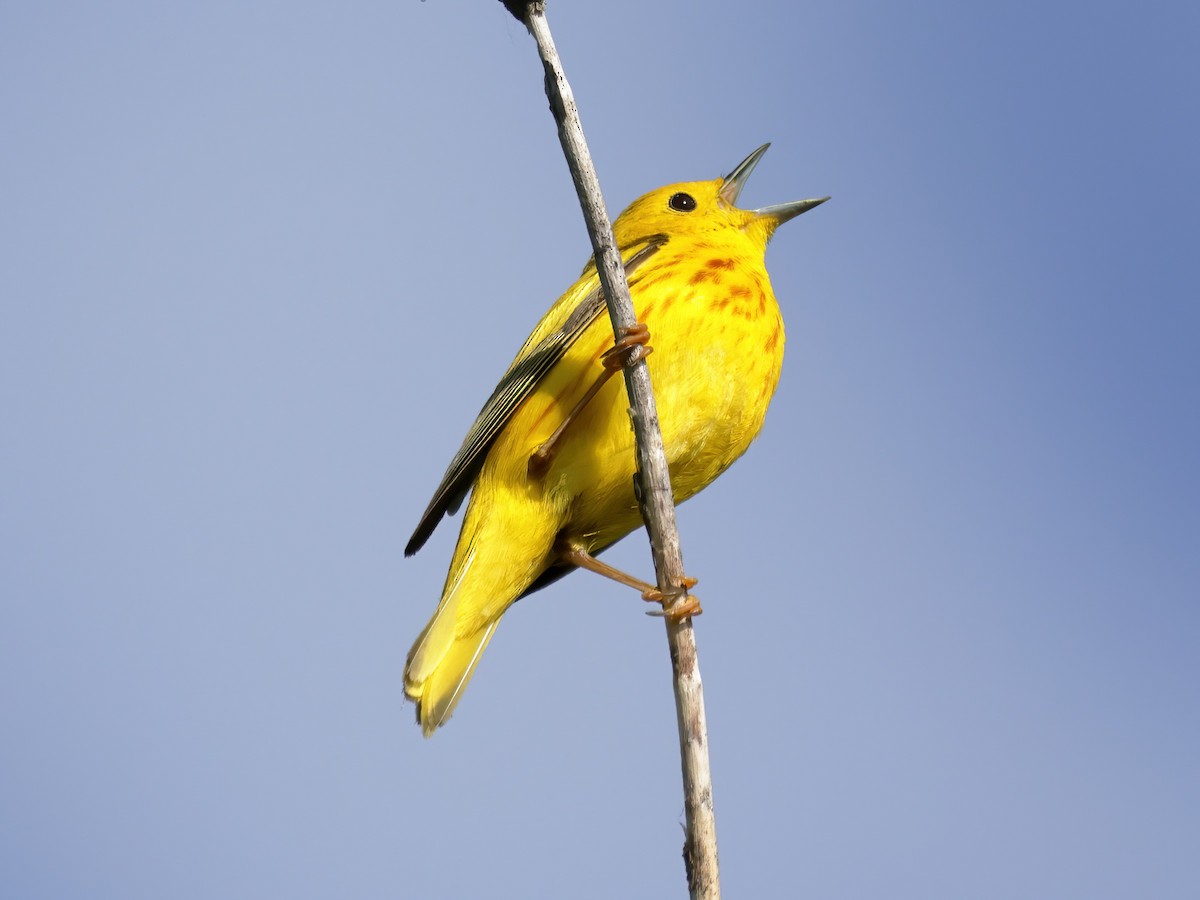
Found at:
[714, 372]
[712, 391]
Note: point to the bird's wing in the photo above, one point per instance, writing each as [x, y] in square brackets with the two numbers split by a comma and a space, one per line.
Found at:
[554, 335]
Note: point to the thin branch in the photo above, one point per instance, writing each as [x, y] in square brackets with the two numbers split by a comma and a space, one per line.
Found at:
[652, 484]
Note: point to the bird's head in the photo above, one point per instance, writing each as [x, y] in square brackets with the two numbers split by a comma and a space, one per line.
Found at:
[699, 208]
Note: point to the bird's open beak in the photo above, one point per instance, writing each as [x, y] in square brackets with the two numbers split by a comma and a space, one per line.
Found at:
[736, 180]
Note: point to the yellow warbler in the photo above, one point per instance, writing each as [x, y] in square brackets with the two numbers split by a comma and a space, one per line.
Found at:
[550, 461]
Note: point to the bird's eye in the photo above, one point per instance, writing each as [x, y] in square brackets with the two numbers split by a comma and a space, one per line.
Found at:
[682, 202]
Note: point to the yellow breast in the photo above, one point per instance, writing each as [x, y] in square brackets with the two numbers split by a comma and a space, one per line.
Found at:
[717, 338]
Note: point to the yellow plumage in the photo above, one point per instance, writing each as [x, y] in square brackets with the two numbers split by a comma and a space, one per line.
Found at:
[696, 272]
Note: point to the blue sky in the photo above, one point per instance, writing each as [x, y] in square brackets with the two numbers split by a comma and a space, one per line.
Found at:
[261, 263]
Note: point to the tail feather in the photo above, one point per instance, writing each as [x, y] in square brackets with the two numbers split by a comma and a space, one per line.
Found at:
[437, 688]
[442, 660]
[485, 579]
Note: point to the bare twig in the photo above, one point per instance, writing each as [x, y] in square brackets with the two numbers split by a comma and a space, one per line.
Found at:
[653, 482]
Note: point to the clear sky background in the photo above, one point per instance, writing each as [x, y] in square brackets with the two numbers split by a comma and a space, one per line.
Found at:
[260, 264]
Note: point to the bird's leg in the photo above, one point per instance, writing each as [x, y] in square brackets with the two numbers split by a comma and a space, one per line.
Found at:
[677, 603]
[635, 339]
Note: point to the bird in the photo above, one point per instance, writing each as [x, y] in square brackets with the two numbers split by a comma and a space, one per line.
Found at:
[549, 462]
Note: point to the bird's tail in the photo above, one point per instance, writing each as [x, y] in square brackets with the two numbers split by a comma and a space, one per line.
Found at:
[442, 660]
[437, 689]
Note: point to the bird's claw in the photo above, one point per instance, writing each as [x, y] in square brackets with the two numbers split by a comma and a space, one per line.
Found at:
[636, 340]
[677, 604]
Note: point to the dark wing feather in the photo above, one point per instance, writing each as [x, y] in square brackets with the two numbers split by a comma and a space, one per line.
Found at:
[517, 384]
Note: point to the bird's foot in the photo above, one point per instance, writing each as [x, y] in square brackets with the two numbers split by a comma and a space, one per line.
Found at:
[677, 603]
[632, 346]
